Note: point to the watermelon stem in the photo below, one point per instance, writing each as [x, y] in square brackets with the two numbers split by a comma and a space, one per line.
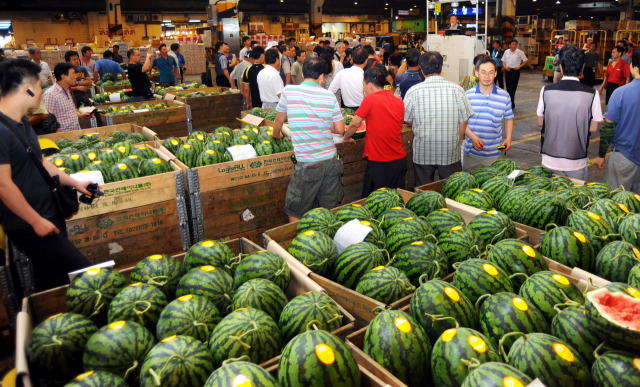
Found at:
[313, 323]
[482, 297]
[546, 228]
[152, 280]
[97, 307]
[239, 338]
[337, 316]
[198, 323]
[472, 363]
[55, 340]
[569, 302]
[246, 296]
[502, 340]
[310, 265]
[135, 365]
[236, 359]
[434, 238]
[498, 235]
[378, 309]
[440, 317]
[604, 238]
[519, 274]
[157, 378]
[478, 250]
[595, 352]
[282, 270]
[421, 280]
[389, 259]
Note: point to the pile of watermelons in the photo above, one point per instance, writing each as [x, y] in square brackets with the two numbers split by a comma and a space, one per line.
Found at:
[202, 148]
[162, 90]
[125, 96]
[130, 109]
[205, 322]
[117, 157]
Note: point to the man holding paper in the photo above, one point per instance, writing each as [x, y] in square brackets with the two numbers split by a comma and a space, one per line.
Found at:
[314, 114]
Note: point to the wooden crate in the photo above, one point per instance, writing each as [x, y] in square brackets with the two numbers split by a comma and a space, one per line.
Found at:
[102, 132]
[111, 89]
[209, 113]
[86, 123]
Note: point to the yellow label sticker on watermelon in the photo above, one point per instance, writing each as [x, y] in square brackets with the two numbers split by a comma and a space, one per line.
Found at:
[209, 244]
[210, 152]
[356, 205]
[54, 316]
[402, 324]
[75, 157]
[365, 223]
[520, 304]
[200, 137]
[309, 233]
[562, 280]
[122, 149]
[579, 237]
[117, 325]
[636, 363]
[168, 339]
[92, 156]
[443, 209]
[325, 354]
[456, 228]
[564, 352]
[492, 212]
[477, 344]
[108, 150]
[239, 310]
[623, 208]
[510, 381]
[636, 252]
[490, 269]
[241, 381]
[97, 162]
[529, 251]
[185, 298]
[377, 268]
[142, 147]
[266, 142]
[478, 190]
[133, 157]
[396, 208]
[633, 292]
[215, 142]
[637, 197]
[449, 334]
[136, 284]
[85, 375]
[452, 294]
[156, 161]
[93, 272]
[409, 218]
[418, 243]
[59, 162]
[186, 146]
[244, 137]
[122, 166]
[207, 268]
[175, 142]
[593, 216]
[84, 171]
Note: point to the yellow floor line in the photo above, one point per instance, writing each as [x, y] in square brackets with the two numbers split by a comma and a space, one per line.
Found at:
[593, 160]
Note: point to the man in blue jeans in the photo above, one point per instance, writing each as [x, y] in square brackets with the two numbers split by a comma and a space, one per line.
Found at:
[409, 72]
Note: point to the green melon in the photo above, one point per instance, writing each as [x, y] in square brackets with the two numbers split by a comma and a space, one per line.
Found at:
[316, 251]
[263, 264]
[385, 284]
[260, 294]
[309, 307]
[456, 183]
[210, 282]
[91, 292]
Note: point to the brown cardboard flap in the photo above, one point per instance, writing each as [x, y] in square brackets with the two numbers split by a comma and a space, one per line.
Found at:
[252, 120]
[149, 134]
[300, 282]
[585, 276]
[169, 97]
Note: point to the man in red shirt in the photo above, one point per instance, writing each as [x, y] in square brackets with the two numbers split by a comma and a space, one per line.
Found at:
[618, 73]
[384, 114]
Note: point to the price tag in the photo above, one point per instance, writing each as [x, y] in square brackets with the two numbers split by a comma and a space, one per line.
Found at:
[141, 110]
[247, 215]
[114, 97]
[253, 120]
[242, 152]
[350, 233]
[515, 174]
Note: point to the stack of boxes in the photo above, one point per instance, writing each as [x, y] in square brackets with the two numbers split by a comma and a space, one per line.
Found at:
[264, 39]
[195, 57]
[52, 57]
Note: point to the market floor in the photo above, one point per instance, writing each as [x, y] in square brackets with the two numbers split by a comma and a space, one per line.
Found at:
[525, 146]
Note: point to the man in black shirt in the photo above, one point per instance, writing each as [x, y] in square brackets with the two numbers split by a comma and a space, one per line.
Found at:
[319, 48]
[374, 62]
[141, 89]
[28, 213]
[396, 58]
[250, 89]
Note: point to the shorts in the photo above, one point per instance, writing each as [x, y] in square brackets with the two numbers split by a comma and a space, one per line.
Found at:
[314, 185]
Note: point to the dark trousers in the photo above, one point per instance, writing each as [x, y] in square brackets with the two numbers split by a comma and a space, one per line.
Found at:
[52, 257]
[384, 174]
[222, 81]
[611, 87]
[425, 174]
[511, 79]
[167, 84]
[589, 76]
[499, 81]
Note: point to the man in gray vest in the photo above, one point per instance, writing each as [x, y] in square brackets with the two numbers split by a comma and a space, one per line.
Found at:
[568, 113]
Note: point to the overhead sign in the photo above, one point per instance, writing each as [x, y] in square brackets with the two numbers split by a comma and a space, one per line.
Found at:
[438, 8]
[464, 11]
[403, 12]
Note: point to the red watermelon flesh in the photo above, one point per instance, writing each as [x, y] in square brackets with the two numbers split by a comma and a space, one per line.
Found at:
[618, 308]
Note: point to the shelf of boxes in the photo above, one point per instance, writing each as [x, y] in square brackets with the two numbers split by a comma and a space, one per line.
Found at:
[195, 58]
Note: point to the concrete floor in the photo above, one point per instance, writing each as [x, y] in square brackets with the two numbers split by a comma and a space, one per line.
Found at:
[525, 147]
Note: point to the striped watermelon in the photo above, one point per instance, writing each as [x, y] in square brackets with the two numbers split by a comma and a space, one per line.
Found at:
[143, 152]
[76, 162]
[523, 179]
[600, 190]
[407, 231]
[444, 220]
[172, 144]
[456, 183]
[260, 294]
[546, 289]
[540, 171]
[138, 302]
[241, 373]
[159, 270]
[223, 137]
[514, 256]
[577, 197]
[613, 316]
[610, 211]
[245, 332]
[133, 162]
[137, 137]
[513, 201]
[615, 261]
[196, 146]
[476, 277]
[383, 199]
[319, 359]
[80, 144]
[549, 359]
[504, 313]
[618, 287]
[111, 141]
[188, 155]
[561, 182]
[572, 326]
[616, 369]
[154, 166]
[58, 160]
[376, 236]
[476, 198]
[55, 346]
[597, 230]
[98, 165]
[223, 129]
[568, 247]
[493, 374]
[91, 292]
[306, 308]
[483, 174]
[119, 135]
[629, 199]
[177, 361]
[68, 151]
[506, 165]
[355, 261]
[263, 264]
[634, 277]
[453, 351]
[209, 157]
[199, 135]
[91, 154]
[264, 148]
[316, 251]
[242, 140]
[209, 282]
[211, 253]
[393, 216]
[119, 348]
[493, 226]
[354, 211]
[540, 184]
[121, 172]
[216, 145]
[630, 229]
[437, 306]
[543, 209]
[97, 379]
[419, 259]
[63, 143]
[124, 148]
[497, 187]
[385, 284]
[110, 157]
[189, 315]
[461, 243]
[426, 202]
[400, 345]
[321, 220]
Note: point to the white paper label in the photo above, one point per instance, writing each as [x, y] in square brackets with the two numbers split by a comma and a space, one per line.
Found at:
[247, 215]
[337, 138]
[140, 110]
[178, 88]
[252, 120]
[242, 152]
[536, 383]
[515, 174]
[114, 97]
[89, 109]
[169, 97]
[108, 264]
[350, 233]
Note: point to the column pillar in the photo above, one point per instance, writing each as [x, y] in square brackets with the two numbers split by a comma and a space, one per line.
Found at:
[508, 19]
[315, 18]
[114, 17]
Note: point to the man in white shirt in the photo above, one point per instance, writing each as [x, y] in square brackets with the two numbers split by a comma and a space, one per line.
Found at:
[246, 43]
[45, 74]
[349, 81]
[512, 61]
[269, 81]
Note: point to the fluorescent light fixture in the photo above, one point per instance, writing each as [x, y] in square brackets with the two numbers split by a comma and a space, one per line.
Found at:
[194, 20]
[455, 4]
[166, 20]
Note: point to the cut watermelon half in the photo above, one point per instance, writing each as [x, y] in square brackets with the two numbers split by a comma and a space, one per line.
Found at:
[361, 132]
[615, 317]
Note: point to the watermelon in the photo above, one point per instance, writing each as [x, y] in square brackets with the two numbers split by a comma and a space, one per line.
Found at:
[119, 135]
[306, 308]
[260, 294]
[572, 326]
[55, 346]
[513, 201]
[355, 261]
[543, 209]
[437, 306]
[615, 261]
[80, 145]
[209, 157]
[211, 253]
[188, 155]
[58, 160]
[354, 211]
[241, 373]
[216, 145]
[493, 226]
[453, 351]
[496, 187]
[143, 152]
[461, 243]
[426, 202]
[376, 236]
[546, 289]
[505, 165]
[482, 175]
[443, 220]
[68, 151]
[399, 344]
[136, 137]
[111, 141]
[630, 229]
[514, 256]
[91, 292]
[549, 359]
[177, 361]
[576, 197]
[385, 284]
[615, 369]
[76, 162]
[132, 161]
[245, 332]
[561, 182]
[65, 170]
[630, 200]
[319, 359]
[407, 231]
[634, 276]
[476, 277]
[540, 171]
[63, 143]
[121, 172]
[172, 144]
[154, 166]
[196, 146]
[568, 247]
[383, 199]
[613, 316]
[393, 216]
[223, 137]
[421, 261]
[199, 135]
[494, 374]
[264, 148]
[263, 264]
[123, 148]
[600, 190]
[316, 251]
[523, 179]
[97, 379]
[138, 302]
[189, 315]
[242, 140]
[504, 313]
[321, 220]
[101, 167]
[610, 211]
[456, 183]
[209, 282]
[597, 230]
[109, 157]
[540, 184]
[119, 348]
[90, 153]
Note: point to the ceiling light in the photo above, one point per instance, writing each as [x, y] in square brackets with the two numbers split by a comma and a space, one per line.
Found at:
[396, 17]
[194, 20]
[356, 3]
[410, 9]
[592, 17]
[455, 4]
[386, 8]
[558, 2]
[166, 20]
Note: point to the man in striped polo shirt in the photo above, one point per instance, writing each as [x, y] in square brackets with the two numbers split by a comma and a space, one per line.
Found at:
[492, 108]
[313, 114]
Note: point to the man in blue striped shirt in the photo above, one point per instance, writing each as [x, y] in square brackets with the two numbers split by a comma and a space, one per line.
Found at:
[492, 108]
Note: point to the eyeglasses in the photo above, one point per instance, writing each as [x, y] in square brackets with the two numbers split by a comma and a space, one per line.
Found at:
[487, 74]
